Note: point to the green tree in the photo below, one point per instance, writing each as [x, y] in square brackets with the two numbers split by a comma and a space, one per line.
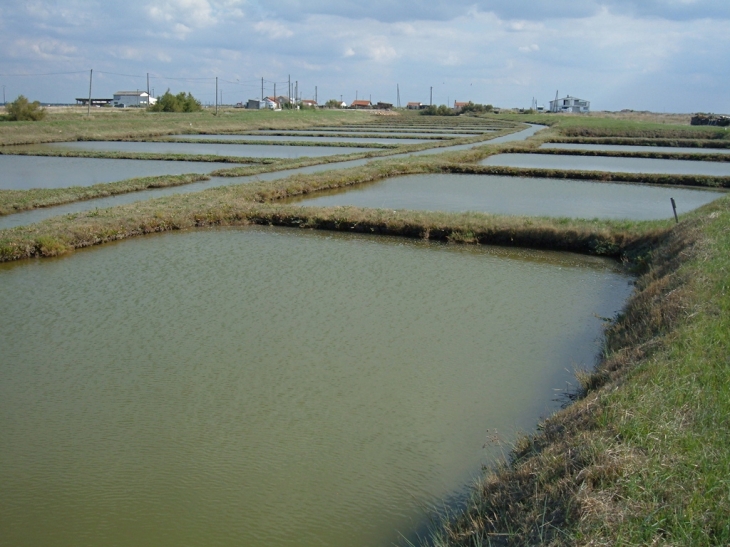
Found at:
[23, 110]
[333, 103]
[181, 102]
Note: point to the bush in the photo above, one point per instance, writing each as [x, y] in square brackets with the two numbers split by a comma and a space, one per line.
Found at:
[434, 110]
[181, 102]
[23, 110]
[333, 103]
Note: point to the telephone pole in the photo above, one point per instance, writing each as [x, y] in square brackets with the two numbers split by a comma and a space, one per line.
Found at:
[289, 92]
[430, 101]
[262, 89]
[315, 94]
[148, 90]
[88, 107]
[216, 95]
[397, 87]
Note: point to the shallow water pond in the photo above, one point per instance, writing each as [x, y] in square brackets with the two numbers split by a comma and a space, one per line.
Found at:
[612, 164]
[302, 138]
[238, 150]
[390, 135]
[271, 387]
[516, 196]
[634, 148]
[25, 172]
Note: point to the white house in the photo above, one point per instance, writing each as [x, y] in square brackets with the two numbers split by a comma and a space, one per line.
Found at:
[132, 98]
[570, 104]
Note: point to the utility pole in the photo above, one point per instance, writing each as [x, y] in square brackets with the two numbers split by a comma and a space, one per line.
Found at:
[430, 101]
[4, 103]
[88, 107]
[315, 94]
[356, 94]
[216, 95]
[262, 89]
[289, 92]
[296, 92]
[148, 90]
[397, 88]
[275, 92]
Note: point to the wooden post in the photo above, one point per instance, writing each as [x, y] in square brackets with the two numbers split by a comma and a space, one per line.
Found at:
[88, 107]
[674, 208]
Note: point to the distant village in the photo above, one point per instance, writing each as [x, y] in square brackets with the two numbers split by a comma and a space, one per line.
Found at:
[141, 99]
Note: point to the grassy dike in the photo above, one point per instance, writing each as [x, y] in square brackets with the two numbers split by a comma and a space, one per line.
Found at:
[72, 123]
[256, 203]
[14, 201]
[691, 156]
[642, 457]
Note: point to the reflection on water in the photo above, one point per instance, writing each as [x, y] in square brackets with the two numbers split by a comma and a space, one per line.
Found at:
[634, 148]
[236, 150]
[612, 164]
[25, 172]
[271, 387]
[302, 138]
[516, 196]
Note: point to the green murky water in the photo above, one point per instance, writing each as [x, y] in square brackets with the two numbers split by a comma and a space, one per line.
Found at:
[516, 196]
[271, 387]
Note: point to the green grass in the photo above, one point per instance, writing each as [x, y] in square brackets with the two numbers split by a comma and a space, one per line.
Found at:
[71, 124]
[642, 458]
[12, 201]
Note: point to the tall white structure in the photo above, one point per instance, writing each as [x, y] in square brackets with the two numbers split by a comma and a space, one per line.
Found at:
[570, 104]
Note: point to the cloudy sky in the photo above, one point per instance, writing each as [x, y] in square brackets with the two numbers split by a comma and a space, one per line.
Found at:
[658, 55]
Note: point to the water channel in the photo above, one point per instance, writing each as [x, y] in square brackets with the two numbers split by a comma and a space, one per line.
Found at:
[634, 148]
[237, 150]
[516, 196]
[25, 172]
[274, 387]
[611, 164]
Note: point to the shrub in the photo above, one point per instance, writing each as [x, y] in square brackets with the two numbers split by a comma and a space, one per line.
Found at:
[23, 110]
[434, 110]
[333, 103]
[181, 102]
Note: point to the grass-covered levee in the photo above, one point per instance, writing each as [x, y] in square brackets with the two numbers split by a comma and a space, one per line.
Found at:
[640, 456]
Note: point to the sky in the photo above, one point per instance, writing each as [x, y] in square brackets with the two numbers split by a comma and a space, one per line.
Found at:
[656, 55]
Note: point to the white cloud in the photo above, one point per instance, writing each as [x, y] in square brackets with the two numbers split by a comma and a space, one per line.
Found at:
[46, 49]
[273, 30]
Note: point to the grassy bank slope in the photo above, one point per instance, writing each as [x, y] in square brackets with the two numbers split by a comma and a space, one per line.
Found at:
[70, 124]
[642, 459]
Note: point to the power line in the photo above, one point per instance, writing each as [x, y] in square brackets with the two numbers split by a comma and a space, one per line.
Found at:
[210, 79]
[117, 74]
[47, 74]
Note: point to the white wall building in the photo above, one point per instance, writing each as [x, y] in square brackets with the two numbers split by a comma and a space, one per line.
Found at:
[570, 104]
[132, 98]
